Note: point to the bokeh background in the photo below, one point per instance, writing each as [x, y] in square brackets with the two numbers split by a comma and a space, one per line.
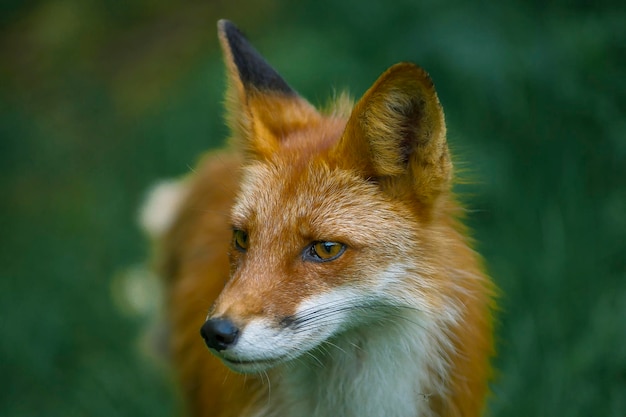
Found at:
[100, 98]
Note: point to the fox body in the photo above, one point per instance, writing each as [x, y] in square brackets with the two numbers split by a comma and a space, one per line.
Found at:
[327, 249]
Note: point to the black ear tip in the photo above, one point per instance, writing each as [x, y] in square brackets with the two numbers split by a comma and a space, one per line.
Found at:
[253, 70]
[227, 28]
[231, 34]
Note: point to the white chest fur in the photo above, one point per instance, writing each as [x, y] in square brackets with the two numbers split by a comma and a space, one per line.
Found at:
[387, 369]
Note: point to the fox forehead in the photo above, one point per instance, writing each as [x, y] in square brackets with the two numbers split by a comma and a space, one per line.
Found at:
[315, 201]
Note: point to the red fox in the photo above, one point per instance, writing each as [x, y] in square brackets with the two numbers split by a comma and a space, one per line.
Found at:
[328, 250]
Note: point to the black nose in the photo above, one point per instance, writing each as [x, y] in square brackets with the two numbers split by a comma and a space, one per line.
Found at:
[219, 333]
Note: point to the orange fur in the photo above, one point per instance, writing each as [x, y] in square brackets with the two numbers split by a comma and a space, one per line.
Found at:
[378, 181]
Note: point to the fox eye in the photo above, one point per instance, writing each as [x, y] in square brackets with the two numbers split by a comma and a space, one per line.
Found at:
[324, 251]
[240, 240]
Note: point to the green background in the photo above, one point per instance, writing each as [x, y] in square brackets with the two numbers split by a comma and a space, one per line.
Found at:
[99, 99]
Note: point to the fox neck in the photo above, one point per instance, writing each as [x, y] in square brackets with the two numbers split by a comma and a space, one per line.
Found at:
[376, 371]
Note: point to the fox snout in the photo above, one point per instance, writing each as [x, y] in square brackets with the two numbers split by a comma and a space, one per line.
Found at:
[219, 333]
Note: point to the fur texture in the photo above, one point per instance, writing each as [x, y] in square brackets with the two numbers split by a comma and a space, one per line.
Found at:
[398, 323]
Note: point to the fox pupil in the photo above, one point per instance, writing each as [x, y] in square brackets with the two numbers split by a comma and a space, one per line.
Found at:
[325, 251]
[241, 240]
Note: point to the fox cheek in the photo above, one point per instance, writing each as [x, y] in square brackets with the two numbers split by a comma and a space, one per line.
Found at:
[235, 262]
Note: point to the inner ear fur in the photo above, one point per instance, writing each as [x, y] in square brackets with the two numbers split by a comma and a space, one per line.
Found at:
[396, 134]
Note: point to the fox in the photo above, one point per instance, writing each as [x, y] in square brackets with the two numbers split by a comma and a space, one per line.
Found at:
[319, 265]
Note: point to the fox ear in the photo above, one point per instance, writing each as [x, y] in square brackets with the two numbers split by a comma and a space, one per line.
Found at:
[396, 135]
[262, 108]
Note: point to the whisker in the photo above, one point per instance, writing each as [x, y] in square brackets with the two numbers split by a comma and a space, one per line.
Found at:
[329, 343]
[269, 386]
[315, 358]
[380, 311]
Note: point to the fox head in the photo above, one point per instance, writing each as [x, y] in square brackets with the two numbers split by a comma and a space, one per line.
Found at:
[342, 218]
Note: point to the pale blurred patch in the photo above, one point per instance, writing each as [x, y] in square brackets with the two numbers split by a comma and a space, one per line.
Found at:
[137, 292]
[161, 206]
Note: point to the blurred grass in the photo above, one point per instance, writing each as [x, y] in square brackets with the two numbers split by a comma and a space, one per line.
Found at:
[98, 99]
